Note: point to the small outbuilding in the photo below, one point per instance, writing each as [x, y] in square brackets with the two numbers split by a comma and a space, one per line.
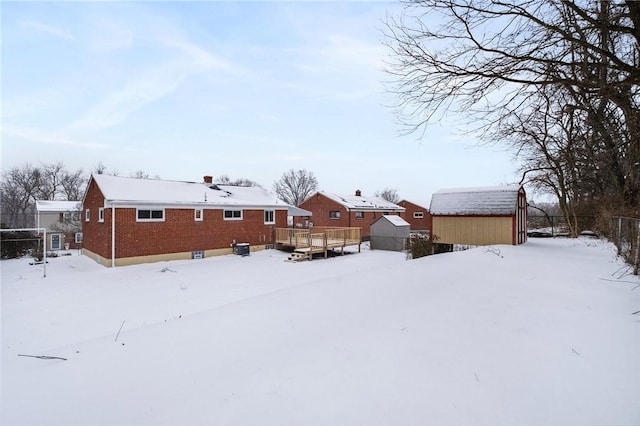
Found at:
[389, 232]
[480, 216]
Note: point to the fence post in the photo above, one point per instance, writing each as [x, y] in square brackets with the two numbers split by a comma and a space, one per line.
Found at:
[618, 241]
[636, 260]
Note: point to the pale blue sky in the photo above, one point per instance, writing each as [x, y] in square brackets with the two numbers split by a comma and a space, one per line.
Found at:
[185, 89]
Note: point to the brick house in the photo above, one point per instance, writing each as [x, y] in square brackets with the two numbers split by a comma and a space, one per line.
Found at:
[418, 217]
[348, 211]
[128, 221]
[61, 219]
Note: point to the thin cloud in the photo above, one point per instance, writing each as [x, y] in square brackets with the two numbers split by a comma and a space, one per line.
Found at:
[49, 29]
[48, 137]
[151, 85]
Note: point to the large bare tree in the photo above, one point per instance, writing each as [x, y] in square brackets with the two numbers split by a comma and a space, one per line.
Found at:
[562, 76]
[295, 186]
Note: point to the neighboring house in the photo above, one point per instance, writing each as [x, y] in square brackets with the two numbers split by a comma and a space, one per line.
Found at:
[390, 232]
[480, 216]
[418, 217]
[348, 211]
[127, 221]
[61, 219]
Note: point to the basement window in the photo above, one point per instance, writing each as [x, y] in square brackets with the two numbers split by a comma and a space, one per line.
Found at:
[334, 214]
[418, 215]
[148, 215]
[233, 215]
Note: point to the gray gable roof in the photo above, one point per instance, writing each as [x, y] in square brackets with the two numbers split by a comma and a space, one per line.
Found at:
[488, 201]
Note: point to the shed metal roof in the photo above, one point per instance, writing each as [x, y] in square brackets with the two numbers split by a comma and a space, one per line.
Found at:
[484, 201]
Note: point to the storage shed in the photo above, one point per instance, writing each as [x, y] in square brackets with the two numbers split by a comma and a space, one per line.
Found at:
[389, 232]
[480, 216]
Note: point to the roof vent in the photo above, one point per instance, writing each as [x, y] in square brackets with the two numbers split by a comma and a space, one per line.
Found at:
[208, 179]
[358, 193]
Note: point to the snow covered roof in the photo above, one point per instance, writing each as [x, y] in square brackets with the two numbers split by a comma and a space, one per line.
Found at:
[58, 206]
[359, 202]
[297, 211]
[395, 220]
[497, 200]
[133, 191]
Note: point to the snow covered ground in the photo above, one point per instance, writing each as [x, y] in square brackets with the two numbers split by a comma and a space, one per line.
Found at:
[538, 334]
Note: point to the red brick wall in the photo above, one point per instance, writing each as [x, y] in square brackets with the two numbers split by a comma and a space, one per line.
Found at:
[179, 232]
[416, 224]
[96, 236]
[320, 205]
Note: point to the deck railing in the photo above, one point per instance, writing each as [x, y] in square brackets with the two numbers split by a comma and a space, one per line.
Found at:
[318, 237]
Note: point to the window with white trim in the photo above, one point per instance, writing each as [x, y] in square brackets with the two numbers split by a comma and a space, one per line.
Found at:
[233, 215]
[78, 238]
[87, 215]
[269, 217]
[359, 215]
[150, 215]
[418, 215]
[101, 214]
[198, 214]
[334, 214]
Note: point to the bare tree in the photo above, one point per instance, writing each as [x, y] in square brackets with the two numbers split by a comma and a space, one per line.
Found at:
[497, 63]
[388, 194]
[226, 180]
[22, 186]
[295, 186]
[73, 185]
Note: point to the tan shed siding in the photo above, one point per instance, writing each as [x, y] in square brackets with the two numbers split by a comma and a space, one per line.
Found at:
[473, 230]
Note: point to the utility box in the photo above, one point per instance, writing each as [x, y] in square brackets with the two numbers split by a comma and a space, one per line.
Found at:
[243, 249]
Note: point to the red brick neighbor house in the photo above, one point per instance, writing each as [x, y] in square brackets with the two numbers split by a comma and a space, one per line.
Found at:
[480, 216]
[347, 210]
[418, 217]
[128, 221]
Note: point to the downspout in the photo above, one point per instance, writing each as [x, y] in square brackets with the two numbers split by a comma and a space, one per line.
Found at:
[113, 235]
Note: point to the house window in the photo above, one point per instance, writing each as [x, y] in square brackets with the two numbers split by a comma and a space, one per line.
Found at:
[61, 217]
[359, 215]
[334, 214]
[269, 216]
[233, 215]
[198, 214]
[56, 241]
[87, 215]
[418, 215]
[148, 215]
[78, 238]
[101, 214]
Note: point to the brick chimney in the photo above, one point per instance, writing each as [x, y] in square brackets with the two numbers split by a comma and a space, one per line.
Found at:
[358, 193]
[208, 179]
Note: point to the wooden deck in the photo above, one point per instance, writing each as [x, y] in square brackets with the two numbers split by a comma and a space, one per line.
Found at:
[306, 242]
